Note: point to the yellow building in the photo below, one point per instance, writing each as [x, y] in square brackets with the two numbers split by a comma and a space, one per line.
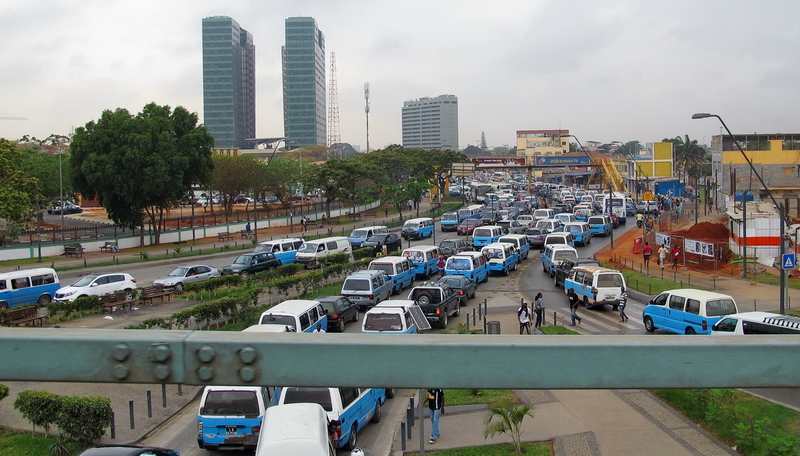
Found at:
[542, 143]
[656, 163]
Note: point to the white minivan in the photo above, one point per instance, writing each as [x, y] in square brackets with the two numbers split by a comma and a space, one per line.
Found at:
[295, 429]
[687, 311]
[312, 251]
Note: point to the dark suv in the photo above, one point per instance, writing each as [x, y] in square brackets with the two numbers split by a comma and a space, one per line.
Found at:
[450, 247]
[437, 301]
[561, 271]
[250, 263]
[339, 309]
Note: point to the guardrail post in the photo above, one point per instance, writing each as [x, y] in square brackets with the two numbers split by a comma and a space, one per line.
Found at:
[180, 389]
[149, 404]
[130, 413]
[163, 395]
[410, 415]
[403, 436]
[113, 426]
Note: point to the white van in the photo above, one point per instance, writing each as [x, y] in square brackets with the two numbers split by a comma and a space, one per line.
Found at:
[367, 288]
[596, 286]
[520, 241]
[418, 228]
[756, 323]
[301, 429]
[359, 235]
[300, 314]
[424, 258]
[395, 317]
[543, 214]
[311, 251]
[28, 286]
[555, 254]
[283, 249]
[687, 311]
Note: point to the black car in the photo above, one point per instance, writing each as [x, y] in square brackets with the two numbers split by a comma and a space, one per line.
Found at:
[490, 217]
[69, 208]
[126, 450]
[339, 310]
[392, 242]
[450, 247]
[462, 285]
[561, 271]
[250, 263]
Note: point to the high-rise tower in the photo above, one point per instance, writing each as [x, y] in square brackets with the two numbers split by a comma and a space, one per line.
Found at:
[431, 123]
[229, 82]
[304, 102]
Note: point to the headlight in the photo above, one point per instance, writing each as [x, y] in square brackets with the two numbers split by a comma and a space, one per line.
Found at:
[70, 293]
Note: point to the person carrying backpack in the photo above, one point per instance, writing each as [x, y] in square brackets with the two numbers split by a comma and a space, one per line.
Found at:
[524, 316]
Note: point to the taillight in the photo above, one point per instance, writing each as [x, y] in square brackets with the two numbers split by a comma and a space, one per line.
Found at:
[133, 280]
[255, 430]
[705, 325]
[334, 316]
[371, 296]
[438, 311]
[199, 427]
[460, 292]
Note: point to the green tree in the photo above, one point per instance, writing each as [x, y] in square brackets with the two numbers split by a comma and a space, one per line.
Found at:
[508, 421]
[339, 179]
[234, 176]
[140, 166]
[45, 168]
[18, 192]
[691, 159]
[277, 177]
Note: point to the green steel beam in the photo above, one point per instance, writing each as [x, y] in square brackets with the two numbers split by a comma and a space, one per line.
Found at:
[414, 361]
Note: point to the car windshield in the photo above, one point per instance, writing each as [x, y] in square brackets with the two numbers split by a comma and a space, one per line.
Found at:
[493, 253]
[178, 272]
[286, 320]
[448, 217]
[387, 268]
[573, 228]
[356, 285]
[265, 248]
[321, 396]
[453, 282]
[308, 247]
[458, 264]
[609, 280]
[228, 403]
[84, 281]
[482, 232]
[377, 238]
[244, 259]
[359, 234]
[383, 322]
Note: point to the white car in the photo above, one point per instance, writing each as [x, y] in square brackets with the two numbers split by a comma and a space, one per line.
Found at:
[186, 274]
[96, 285]
[526, 220]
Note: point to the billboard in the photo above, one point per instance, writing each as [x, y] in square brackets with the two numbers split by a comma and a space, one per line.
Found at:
[499, 162]
[575, 160]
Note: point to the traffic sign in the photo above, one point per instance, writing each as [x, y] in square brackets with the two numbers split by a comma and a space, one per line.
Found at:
[788, 261]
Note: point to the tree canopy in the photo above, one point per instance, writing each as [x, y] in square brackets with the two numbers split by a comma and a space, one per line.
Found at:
[18, 192]
[140, 166]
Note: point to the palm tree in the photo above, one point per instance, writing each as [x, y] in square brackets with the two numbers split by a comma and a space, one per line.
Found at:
[510, 421]
[689, 157]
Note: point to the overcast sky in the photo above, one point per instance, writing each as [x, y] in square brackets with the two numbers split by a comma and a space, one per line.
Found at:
[606, 70]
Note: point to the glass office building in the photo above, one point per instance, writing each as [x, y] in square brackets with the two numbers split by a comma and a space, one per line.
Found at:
[431, 123]
[304, 94]
[229, 82]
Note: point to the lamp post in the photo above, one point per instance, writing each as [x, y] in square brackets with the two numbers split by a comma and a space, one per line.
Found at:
[781, 212]
[61, 187]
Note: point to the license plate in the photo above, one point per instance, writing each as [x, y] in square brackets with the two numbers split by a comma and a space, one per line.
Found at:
[356, 298]
[230, 430]
[610, 297]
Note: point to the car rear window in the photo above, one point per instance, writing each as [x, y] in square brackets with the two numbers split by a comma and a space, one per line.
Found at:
[229, 403]
[356, 285]
[609, 280]
[321, 396]
[383, 322]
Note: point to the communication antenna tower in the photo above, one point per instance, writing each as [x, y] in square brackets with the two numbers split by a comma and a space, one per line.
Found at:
[334, 137]
[366, 109]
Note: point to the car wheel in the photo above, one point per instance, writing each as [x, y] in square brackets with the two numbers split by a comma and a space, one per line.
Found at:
[544, 268]
[376, 418]
[424, 298]
[179, 287]
[648, 324]
[389, 393]
[3, 306]
[443, 321]
[44, 300]
[690, 331]
[474, 292]
[457, 312]
[271, 269]
[355, 315]
[351, 443]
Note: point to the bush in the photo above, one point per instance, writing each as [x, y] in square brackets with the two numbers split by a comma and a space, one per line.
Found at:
[3, 391]
[84, 419]
[38, 407]
[367, 252]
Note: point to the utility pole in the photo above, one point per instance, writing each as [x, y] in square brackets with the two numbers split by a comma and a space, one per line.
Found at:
[366, 109]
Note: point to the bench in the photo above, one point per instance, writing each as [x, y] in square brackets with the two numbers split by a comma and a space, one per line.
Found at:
[354, 215]
[110, 246]
[371, 213]
[111, 301]
[154, 291]
[16, 317]
[225, 236]
[75, 250]
[245, 234]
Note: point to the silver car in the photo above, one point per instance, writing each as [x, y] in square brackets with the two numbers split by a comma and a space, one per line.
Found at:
[181, 275]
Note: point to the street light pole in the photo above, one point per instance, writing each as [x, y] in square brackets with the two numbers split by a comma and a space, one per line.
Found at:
[61, 186]
[781, 210]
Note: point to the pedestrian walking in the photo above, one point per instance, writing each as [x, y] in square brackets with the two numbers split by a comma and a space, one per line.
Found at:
[675, 253]
[410, 205]
[623, 301]
[647, 252]
[248, 230]
[435, 401]
[662, 256]
[574, 301]
[386, 210]
[538, 310]
[524, 317]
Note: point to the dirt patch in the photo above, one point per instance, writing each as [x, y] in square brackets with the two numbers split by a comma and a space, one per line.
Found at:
[706, 231]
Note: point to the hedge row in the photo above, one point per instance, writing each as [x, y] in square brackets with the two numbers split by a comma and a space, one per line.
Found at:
[82, 419]
[82, 304]
[240, 305]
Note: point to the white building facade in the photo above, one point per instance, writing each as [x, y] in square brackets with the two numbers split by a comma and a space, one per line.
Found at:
[431, 123]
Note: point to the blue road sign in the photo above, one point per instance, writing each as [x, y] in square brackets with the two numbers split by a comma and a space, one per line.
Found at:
[788, 261]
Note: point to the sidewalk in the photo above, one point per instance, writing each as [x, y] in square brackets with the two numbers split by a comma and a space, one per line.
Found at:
[578, 422]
